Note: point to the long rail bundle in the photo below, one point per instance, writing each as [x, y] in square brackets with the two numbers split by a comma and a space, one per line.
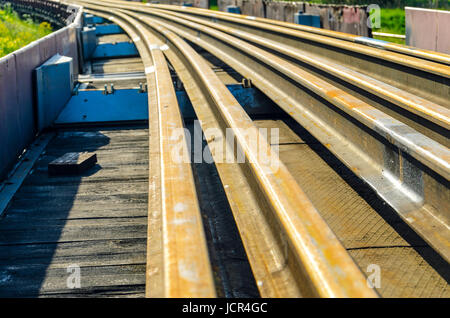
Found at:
[381, 109]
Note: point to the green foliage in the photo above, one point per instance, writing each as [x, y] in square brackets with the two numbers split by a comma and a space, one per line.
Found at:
[392, 21]
[16, 33]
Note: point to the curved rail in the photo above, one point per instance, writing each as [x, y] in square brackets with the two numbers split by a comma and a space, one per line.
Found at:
[177, 262]
[422, 77]
[425, 54]
[316, 263]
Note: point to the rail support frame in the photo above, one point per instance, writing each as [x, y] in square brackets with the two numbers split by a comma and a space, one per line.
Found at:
[54, 85]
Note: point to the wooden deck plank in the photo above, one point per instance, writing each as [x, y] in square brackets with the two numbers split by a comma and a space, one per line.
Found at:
[61, 251]
[26, 280]
[97, 221]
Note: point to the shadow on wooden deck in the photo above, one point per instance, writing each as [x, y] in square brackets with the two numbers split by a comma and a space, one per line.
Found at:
[96, 221]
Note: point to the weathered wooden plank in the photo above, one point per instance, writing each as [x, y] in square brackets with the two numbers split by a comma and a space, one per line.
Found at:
[103, 174]
[128, 210]
[32, 253]
[132, 291]
[50, 225]
[110, 259]
[32, 280]
[97, 220]
[63, 234]
[85, 189]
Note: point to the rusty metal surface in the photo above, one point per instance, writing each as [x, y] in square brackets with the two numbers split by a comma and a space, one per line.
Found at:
[364, 181]
[177, 257]
[425, 218]
[329, 23]
[424, 108]
[368, 229]
[397, 155]
[375, 62]
[284, 200]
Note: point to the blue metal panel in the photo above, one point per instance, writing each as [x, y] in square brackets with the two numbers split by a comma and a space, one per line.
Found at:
[89, 41]
[91, 19]
[119, 49]
[108, 29]
[185, 4]
[307, 19]
[234, 9]
[54, 84]
[93, 106]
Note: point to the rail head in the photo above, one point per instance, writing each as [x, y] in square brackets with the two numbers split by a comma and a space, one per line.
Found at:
[299, 220]
[177, 256]
[312, 246]
[410, 143]
[355, 39]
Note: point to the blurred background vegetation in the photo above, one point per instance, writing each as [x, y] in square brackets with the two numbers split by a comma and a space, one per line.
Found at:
[16, 32]
[392, 21]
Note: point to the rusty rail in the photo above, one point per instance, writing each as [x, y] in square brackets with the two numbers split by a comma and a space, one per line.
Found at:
[390, 129]
[177, 262]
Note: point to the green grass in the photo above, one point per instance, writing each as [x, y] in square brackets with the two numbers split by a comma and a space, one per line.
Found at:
[392, 21]
[16, 33]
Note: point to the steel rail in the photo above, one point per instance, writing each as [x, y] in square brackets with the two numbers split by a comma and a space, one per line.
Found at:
[424, 78]
[313, 248]
[417, 209]
[404, 49]
[347, 101]
[177, 256]
[408, 170]
[310, 254]
[414, 104]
